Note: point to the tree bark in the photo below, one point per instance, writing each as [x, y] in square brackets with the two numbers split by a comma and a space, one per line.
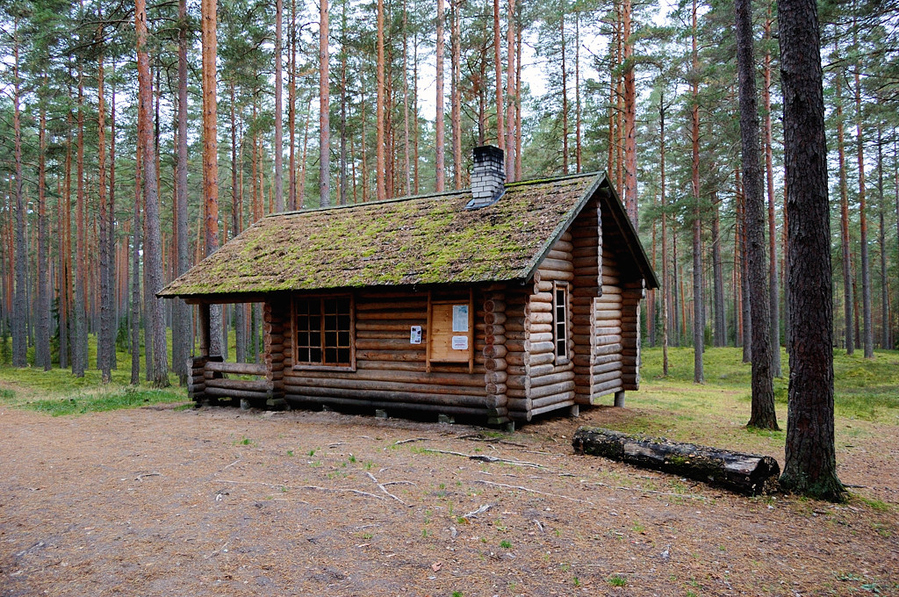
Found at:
[666, 287]
[773, 289]
[630, 116]
[20, 300]
[498, 64]
[884, 288]
[748, 474]
[182, 334]
[79, 338]
[810, 464]
[210, 156]
[106, 337]
[438, 125]
[279, 125]
[867, 320]
[42, 357]
[153, 246]
[717, 277]
[763, 414]
[456, 91]
[324, 118]
[698, 328]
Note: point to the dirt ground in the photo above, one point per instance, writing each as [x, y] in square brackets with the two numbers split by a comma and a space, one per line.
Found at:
[218, 501]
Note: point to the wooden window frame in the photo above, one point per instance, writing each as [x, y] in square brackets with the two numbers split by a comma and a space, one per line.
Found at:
[323, 365]
[469, 357]
[562, 357]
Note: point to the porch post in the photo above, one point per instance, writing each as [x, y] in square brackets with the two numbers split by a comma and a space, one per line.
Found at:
[204, 329]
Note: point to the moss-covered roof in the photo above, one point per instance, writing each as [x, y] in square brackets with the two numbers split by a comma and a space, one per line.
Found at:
[418, 240]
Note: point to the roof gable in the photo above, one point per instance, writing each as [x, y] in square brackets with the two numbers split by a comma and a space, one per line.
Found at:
[418, 240]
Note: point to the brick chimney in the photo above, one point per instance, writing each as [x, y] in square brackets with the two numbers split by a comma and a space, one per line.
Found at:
[487, 178]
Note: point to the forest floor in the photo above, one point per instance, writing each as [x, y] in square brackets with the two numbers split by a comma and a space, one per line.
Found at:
[164, 500]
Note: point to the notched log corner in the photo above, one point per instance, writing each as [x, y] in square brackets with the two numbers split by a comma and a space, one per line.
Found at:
[748, 474]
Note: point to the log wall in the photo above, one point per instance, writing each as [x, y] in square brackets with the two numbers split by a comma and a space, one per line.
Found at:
[587, 259]
[607, 364]
[549, 382]
[391, 373]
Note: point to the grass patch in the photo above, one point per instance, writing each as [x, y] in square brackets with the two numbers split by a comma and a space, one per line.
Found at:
[103, 399]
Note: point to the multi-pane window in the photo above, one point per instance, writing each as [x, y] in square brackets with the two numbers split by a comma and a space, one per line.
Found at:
[560, 321]
[323, 331]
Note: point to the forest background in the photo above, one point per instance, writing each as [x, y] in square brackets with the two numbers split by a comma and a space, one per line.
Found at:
[646, 92]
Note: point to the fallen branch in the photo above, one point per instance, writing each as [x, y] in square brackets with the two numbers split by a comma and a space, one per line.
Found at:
[141, 476]
[485, 458]
[384, 489]
[410, 440]
[339, 489]
[529, 490]
[480, 510]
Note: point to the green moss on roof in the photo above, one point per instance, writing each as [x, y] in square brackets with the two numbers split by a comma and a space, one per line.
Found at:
[419, 240]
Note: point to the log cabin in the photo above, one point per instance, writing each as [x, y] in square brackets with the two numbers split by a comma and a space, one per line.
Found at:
[494, 304]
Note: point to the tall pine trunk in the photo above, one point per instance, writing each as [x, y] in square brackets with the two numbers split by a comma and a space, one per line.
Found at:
[79, 338]
[279, 124]
[773, 289]
[20, 300]
[210, 156]
[630, 116]
[498, 65]
[439, 156]
[763, 414]
[182, 328]
[810, 463]
[42, 357]
[698, 328]
[324, 116]
[153, 245]
[106, 337]
[867, 320]
[846, 254]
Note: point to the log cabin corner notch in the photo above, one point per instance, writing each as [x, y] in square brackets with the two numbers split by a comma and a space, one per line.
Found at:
[499, 305]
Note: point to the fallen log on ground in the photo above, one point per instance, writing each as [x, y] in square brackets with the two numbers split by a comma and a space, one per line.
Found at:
[749, 474]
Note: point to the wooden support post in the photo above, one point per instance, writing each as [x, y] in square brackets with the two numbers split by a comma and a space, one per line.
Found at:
[619, 398]
[204, 326]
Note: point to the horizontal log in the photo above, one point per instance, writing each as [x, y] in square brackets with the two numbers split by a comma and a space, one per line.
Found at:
[557, 275]
[551, 407]
[541, 403]
[237, 368]
[541, 347]
[516, 393]
[540, 307]
[390, 326]
[552, 389]
[262, 385]
[495, 389]
[495, 377]
[611, 348]
[559, 255]
[232, 393]
[540, 337]
[495, 364]
[494, 306]
[588, 261]
[601, 368]
[495, 318]
[536, 360]
[388, 397]
[607, 387]
[540, 328]
[545, 380]
[392, 304]
[609, 339]
[384, 344]
[494, 351]
[538, 317]
[391, 315]
[494, 339]
[748, 474]
[549, 265]
[519, 404]
[365, 377]
[365, 403]
[563, 244]
[606, 376]
[390, 355]
[397, 387]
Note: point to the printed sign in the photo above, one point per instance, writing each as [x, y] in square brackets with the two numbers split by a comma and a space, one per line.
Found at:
[460, 319]
[460, 342]
[415, 335]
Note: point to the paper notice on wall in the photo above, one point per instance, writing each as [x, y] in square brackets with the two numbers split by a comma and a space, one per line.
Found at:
[460, 342]
[415, 335]
[460, 318]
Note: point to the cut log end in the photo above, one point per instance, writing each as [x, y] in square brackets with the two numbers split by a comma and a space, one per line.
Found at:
[748, 474]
